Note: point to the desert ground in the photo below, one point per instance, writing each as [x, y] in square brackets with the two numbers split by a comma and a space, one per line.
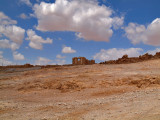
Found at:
[82, 92]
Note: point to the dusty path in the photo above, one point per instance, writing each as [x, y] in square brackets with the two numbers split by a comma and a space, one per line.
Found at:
[89, 92]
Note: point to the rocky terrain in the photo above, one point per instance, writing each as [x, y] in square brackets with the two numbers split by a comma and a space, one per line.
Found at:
[125, 59]
[82, 92]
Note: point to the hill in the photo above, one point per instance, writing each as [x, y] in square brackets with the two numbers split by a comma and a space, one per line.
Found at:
[83, 92]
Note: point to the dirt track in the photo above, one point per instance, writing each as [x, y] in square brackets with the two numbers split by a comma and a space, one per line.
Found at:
[89, 92]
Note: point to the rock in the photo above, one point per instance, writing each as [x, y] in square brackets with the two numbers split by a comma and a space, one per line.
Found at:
[126, 59]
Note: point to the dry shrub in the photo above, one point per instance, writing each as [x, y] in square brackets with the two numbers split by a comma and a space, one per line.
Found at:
[120, 82]
[70, 85]
[139, 81]
[51, 85]
[28, 86]
[145, 82]
[64, 86]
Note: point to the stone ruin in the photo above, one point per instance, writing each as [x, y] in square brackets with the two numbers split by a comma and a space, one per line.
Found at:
[126, 59]
[82, 61]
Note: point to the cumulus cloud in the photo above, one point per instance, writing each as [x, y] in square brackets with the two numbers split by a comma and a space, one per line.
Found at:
[114, 53]
[4, 43]
[5, 20]
[88, 19]
[68, 50]
[43, 61]
[153, 52]
[27, 2]
[36, 41]
[3, 61]
[60, 57]
[23, 16]
[7, 44]
[14, 33]
[149, 35]
[18, 56]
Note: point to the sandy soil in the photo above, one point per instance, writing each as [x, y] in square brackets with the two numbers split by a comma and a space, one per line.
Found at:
[88, 92]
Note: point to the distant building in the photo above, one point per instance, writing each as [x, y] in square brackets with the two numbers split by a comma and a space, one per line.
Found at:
[82, 61]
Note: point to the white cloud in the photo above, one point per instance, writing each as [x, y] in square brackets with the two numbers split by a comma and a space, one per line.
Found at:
[90, 20]
[3, 61]
[117, 22]
[149, 35]
[68, 50]
[32, 15]
[43, 61]
[14, 33]
[4, 43]
[5, 20]
[23, 16]
[153, 52]
[135, 32]
[46, 61]
[114, 53]
[18, 56]
[27, 2]
[60, 57]
[60, 62]
[36, 41]
[1, 53]
[7, 44]
[14, 46]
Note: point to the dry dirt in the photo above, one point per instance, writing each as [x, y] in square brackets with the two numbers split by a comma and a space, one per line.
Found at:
[84, 92]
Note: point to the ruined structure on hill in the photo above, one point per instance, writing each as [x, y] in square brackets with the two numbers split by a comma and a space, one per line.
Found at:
[82, 61]
[126, 59]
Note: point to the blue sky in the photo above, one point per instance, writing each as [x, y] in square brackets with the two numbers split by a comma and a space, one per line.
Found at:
[54, 31]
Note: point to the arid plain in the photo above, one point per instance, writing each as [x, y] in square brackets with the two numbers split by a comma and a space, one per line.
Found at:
[82, 92]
